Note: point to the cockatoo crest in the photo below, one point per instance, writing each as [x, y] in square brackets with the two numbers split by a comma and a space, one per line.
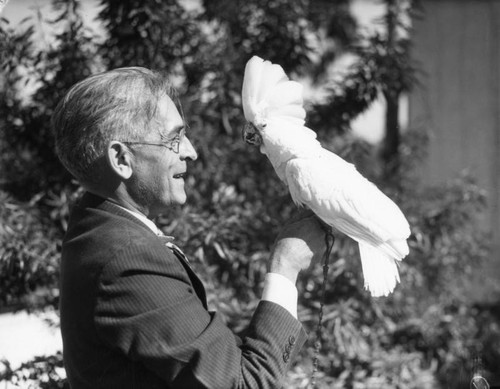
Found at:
[271, 103]
[3, 3]
[267, 92]
[317, 178]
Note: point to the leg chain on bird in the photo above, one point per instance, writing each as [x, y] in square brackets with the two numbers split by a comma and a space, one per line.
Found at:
[329, 241]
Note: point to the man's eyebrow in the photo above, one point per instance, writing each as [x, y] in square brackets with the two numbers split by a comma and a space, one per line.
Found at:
[174, 130]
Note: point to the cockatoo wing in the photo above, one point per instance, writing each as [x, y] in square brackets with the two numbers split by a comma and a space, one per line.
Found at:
[343, 198]
[267, 92]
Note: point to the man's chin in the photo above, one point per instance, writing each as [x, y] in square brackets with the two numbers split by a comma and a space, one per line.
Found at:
[180, 199]
[169, 203]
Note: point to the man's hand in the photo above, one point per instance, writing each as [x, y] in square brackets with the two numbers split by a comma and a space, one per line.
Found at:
[300, 243]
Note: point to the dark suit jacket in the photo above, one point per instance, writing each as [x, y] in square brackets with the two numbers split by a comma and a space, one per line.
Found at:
[134, 314]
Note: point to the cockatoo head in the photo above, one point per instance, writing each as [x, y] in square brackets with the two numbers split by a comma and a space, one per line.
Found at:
[271, 103]
[252, 134]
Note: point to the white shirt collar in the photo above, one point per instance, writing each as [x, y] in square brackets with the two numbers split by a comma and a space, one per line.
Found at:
[144, 219]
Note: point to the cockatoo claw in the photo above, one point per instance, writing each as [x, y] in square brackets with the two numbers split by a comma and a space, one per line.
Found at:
[251, 134]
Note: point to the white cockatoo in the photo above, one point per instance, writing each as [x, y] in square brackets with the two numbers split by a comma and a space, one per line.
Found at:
[320, 180]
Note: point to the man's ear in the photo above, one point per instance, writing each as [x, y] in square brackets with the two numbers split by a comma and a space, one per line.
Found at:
[119, 159]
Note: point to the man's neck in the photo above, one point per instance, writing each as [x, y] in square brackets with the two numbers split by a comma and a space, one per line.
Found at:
[121, 198]
[128, 207]
[152, 226]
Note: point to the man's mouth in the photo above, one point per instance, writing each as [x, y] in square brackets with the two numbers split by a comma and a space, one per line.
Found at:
[180, 175]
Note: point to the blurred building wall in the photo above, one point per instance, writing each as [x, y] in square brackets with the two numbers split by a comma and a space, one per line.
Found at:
[457, 46]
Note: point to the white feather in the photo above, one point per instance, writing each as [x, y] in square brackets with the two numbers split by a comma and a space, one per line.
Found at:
[380, 270]
[268, 92]
[332, 188]
[3, 3]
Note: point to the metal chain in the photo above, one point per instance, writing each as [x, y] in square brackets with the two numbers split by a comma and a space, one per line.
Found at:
[329, 241]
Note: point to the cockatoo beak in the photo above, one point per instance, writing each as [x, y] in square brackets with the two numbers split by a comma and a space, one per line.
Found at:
[251, 134]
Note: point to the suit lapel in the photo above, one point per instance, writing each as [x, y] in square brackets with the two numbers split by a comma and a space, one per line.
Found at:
[94, 201]
[195, 281]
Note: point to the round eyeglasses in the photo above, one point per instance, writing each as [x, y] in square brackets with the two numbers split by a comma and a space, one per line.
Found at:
[173, 144]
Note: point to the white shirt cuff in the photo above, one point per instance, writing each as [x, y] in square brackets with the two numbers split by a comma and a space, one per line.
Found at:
[280, 290]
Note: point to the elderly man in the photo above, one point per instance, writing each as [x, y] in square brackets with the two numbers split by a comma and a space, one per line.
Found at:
[133, 312]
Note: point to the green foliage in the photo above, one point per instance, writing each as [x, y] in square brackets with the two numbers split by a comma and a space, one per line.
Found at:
[29, 256]
[423, 335]
[29, 164]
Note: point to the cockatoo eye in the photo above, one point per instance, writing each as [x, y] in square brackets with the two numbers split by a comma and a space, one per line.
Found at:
[251, 135]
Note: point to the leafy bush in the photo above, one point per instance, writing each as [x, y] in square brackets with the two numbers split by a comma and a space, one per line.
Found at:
[29, 255]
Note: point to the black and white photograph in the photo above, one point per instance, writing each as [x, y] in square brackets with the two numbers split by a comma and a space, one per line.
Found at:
[250, 194]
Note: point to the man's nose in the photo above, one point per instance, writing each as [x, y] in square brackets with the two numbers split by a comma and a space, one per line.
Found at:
[187, 150]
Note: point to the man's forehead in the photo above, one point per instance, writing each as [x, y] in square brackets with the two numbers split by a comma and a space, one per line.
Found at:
[169, 114]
